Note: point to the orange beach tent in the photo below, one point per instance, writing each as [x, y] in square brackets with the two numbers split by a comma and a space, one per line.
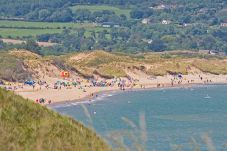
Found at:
[65, 74]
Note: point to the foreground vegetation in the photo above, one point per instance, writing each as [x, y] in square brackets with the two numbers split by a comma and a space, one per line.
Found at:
[28, 126]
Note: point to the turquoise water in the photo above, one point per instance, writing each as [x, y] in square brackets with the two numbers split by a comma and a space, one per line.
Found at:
[173, 116]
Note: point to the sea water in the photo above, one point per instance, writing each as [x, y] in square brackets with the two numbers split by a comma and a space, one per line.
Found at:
[175, 119]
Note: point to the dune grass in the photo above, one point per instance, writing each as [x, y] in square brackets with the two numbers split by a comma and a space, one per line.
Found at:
[158, 64]
[161, 69]
[23, 54]
[25, 126]
[102, 63]
[110, 71]
[212, 66]
[109, 65]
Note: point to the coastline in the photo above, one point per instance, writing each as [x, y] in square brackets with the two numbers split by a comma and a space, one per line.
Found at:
[84, 92]
[86, 99]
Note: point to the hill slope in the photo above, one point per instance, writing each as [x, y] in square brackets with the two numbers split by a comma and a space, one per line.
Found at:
[21, 65]
[27, 126]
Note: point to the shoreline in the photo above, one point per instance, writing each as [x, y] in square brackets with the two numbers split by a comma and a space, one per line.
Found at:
[85, 100]
[85, 92]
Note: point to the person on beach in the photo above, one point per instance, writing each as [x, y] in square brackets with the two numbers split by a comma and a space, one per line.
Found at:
[49, 102]
[172, 82]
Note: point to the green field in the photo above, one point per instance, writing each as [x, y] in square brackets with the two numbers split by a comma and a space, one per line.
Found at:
[15, 33]
[26, 24]
[94, 8]
[20, 29]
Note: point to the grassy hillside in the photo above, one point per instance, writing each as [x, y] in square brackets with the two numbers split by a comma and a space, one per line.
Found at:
[26, 126]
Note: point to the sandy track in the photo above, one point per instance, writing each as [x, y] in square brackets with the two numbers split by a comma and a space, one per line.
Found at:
[14, 41]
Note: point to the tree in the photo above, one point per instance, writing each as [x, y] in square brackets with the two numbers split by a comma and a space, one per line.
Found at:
[157, 45]
[81, 32]
[208, 43]
[82, 15]
[63, 15]
[43, 14]
[44, 38]
[87, 43]
[32, 46]
[137, 14]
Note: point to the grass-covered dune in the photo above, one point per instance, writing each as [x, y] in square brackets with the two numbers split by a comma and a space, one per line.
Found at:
[20, 65]
[26, 126]
[111, 65]
[12, 68]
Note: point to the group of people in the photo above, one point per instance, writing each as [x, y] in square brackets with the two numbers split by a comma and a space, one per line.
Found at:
[179, 80]
[43, 101]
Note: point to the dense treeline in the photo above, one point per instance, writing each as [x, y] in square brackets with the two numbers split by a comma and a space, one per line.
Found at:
[155, 25]
[181, 11]
[140, 38]
[26, 8]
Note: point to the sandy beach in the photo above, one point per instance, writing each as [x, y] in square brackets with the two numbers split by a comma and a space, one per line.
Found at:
[86, 90]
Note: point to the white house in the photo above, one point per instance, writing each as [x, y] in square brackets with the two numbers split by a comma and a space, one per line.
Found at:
[145, 21]
[163, 6]
[166, 22]
[213, 52]
[110, 24]
[223, 24]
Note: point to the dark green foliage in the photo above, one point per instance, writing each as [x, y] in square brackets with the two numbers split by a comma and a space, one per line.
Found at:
[157, 45]
[194, 25]
[142, 38]
[32, 46]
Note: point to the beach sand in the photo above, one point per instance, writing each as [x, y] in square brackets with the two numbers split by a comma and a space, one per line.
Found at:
[143, 82]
